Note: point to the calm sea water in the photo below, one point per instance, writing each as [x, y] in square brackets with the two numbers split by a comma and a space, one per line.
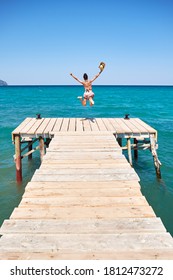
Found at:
[153, 104]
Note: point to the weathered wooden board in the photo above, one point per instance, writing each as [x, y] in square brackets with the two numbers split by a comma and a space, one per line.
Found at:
[145, 126]
[81, 242]
[47, 191]
[84, 177]
[138, 254]
[133, 184]
[85, 155]
[83, 165]
[82, 201]
[82, 171]
[121, 127]
[130, 125]
[33, 123]
[83, 212]
[20, 128]
[57, 126]
[87, 226]
[39, 130]
[82, 162]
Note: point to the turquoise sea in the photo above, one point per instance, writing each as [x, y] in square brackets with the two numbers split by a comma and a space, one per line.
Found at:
[153, 104]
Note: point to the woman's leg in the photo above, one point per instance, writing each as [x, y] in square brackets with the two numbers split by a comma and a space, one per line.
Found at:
[91, 101]
[83, 101]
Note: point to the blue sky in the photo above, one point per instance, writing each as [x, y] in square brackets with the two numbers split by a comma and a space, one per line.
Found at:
[42, 41]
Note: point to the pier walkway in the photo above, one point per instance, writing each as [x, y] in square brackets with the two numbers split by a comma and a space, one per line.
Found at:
[84, 202]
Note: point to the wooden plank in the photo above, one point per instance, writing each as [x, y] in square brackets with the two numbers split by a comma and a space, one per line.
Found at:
[83, 133]
[72, 124]
[139, 254]
[84, 177]
[29, 125]
[65, 124]
[78, 143]
[122, 127]
[44, 128]
[82, 148]
[82, 202]
[131, 125]
[32, 129]
[86, 226]
[145, 125]
[86, 155]
[86, 124]
[40, 129]
[86, 146]
[85, 140]
[83, 171]
[20, 127]
[50, 126]
[83, 212]
[87, 243]
[101, 125]
[57, 125]
[58, 165]
[142, 128]
[83, 185]
[93, 124]
[84, 151]
[76, 192]
[109, 125]
[74, 141]
[116, 125]
[58, 152]
[95, 172]
[79, 125]
[70, 162]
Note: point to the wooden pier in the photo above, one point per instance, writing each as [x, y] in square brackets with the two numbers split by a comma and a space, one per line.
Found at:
[84, 202]
[137, 133]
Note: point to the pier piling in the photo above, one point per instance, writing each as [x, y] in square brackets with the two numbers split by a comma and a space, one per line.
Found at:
[18, 159]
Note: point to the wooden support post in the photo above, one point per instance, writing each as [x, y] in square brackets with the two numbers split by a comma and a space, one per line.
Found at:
[136, 148]
[129, 150]
[18, 158]
[157, 163]
[42, 151]
[30, 149]
[30, 152]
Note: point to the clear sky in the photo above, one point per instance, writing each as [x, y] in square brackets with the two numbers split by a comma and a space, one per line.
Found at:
[42, 41]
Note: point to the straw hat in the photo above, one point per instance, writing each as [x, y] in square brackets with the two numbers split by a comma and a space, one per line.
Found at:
[102, 66]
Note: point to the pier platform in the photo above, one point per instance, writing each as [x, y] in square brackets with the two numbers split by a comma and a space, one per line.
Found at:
[84, 202]
[137, 135]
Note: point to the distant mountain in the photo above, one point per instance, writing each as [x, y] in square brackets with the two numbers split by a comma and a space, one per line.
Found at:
[2, 83]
